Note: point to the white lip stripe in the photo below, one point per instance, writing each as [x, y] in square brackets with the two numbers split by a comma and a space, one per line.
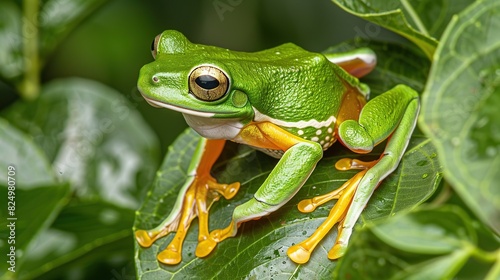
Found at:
[180, 109]
[259, 117]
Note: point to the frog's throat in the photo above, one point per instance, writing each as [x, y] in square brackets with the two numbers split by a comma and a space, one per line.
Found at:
[183, 110]
[214, 128]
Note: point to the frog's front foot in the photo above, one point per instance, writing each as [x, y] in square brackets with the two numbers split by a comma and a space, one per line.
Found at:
[301, 252]
[198, 197]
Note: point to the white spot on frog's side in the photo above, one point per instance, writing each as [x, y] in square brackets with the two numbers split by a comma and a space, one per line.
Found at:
[327, 138]
[318, 132]
[330, 130]
[315, 139]
[260, 117]
[213, 128]
[270, 152]
[300, 132]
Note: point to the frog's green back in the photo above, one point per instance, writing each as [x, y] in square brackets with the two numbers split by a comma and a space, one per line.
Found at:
[287, 82]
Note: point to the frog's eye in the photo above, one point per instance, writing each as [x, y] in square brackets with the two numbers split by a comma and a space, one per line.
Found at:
[208, 83]
[154, 46]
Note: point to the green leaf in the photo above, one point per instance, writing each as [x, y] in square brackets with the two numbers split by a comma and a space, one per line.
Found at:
[425, 243]
[94, 138]
[460, 108]
[82, 230]
[368, 258]
[15, 148]
[98, 141]
[421, 22]
[428, 231]
[445, 267]
[29, 218]
[23, 185]
[260, 246]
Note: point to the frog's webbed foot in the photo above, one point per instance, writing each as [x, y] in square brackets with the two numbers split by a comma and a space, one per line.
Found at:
[199, 192]
[301, 252]
[197, 200]
[215, 190]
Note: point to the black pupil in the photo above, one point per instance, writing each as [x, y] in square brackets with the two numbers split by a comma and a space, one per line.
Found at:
[207, 82]
[153, 45]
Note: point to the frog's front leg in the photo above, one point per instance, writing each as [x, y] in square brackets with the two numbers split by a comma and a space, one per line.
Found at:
[393, 114]
[194, 200]
[293, 169]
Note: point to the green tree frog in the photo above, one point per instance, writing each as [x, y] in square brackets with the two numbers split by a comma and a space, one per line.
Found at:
[289, 103]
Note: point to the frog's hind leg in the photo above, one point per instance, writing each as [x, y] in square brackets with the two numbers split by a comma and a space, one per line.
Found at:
[194, 200]
[373, 127]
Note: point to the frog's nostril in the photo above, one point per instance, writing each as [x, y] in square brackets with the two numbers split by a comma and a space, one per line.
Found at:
[155, 79]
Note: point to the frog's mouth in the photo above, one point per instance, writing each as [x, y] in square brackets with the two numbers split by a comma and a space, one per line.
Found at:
[159, 104]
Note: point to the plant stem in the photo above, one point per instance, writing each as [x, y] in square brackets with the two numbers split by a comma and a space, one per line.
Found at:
[486, 256]
[30, 85]
[494, 272]
[414, 16]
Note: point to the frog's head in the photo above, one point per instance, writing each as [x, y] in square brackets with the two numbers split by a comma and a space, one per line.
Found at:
[185, 77]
